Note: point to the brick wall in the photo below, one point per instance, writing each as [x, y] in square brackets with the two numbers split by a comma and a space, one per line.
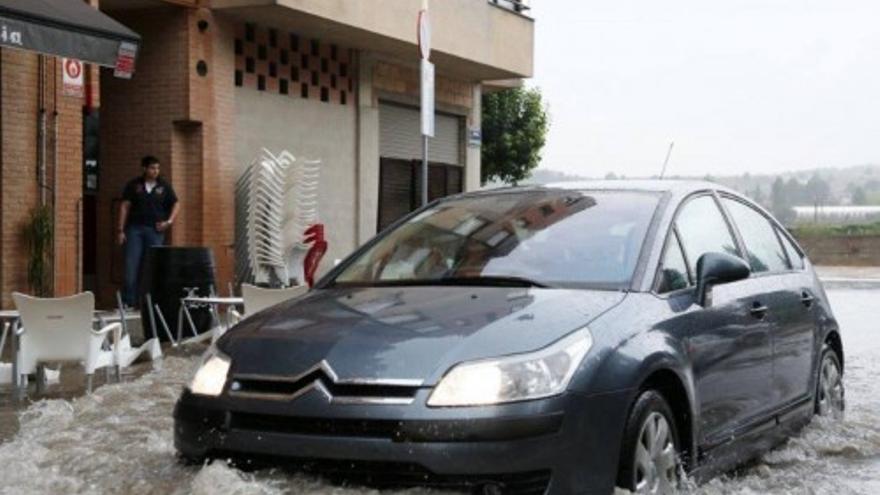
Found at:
[19, 191]
[18, 164]
[842, 250]
[183, 118]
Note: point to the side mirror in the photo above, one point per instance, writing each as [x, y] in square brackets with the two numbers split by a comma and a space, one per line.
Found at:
[716, 269]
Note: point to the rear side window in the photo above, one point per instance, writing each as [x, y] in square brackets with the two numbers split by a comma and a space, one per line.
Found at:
[673, 272]
[765, 253]
[797, 261]
[704, 230]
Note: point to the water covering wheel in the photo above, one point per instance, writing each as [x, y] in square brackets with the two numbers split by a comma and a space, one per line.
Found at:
[650, 456]
[830, 397]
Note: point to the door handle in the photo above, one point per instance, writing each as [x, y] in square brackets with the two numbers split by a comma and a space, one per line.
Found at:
[807, 299]
[758, 310]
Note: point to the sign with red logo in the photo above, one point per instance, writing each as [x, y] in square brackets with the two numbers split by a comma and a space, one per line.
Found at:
[125, 60]
[73, 77]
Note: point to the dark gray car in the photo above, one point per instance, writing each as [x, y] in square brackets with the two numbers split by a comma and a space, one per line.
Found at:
[541, 340]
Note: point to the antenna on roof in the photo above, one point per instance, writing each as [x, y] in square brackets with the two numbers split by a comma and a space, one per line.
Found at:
[666, 161]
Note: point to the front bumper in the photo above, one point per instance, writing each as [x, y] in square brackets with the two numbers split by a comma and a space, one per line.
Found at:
[562, 445]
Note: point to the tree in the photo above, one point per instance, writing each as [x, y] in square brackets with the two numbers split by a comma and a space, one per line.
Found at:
[859, 197]
[515, 124]
[819, 190]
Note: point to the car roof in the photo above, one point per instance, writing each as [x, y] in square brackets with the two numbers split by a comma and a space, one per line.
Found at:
[675, 187]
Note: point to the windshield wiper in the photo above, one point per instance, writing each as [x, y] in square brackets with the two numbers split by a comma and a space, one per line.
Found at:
[488, 281]
[478, 281]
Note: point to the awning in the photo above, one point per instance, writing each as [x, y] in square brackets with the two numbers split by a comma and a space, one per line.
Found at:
[68, 28]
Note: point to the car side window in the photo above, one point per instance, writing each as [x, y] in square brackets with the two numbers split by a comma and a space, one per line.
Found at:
[765, 253]
[703, 230]
[673, 271]
[797, 261]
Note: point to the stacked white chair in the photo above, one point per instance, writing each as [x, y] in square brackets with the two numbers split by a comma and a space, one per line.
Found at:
[301, 213]
[259, 219]
[276, 201]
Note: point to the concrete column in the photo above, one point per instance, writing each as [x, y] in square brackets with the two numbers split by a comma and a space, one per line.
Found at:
[367, 151]
[472, 155]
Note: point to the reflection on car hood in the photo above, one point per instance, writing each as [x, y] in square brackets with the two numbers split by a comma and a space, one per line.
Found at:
[407, 333]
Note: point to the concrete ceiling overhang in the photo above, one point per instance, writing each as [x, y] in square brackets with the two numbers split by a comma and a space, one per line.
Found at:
[274, 14]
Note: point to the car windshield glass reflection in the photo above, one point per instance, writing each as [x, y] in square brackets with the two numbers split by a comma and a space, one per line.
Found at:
[537, 238]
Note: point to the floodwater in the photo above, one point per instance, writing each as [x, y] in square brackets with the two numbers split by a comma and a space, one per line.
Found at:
[119, 439]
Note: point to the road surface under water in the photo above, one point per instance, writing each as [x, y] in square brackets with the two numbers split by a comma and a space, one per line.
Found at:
[119, 439]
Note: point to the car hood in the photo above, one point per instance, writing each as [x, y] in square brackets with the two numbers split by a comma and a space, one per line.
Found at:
[406, 333]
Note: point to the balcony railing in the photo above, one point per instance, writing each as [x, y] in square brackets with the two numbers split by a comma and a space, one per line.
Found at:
[518, 6]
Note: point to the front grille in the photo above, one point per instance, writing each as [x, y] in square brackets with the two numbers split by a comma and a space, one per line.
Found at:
[468, 430]
[389, 475]
[315, 426]
[282, 387]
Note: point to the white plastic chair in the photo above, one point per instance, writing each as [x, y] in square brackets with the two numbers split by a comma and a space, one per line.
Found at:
[60, 329]
[257, 299]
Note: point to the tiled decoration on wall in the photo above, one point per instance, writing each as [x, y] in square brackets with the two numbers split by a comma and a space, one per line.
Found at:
[285, 63]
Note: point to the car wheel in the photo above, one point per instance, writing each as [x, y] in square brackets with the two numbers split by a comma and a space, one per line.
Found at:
[829, 387]
[649, 459]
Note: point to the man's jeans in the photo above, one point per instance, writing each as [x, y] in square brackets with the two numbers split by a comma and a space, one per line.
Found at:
[138, 240]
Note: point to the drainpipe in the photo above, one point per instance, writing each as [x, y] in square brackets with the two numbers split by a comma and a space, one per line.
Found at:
[41, 130]
[55, 184]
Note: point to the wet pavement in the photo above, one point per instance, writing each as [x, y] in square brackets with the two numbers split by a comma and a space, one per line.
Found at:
[119, 439]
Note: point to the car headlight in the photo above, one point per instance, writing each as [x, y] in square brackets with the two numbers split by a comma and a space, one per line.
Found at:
[520, 377]
[211, 376]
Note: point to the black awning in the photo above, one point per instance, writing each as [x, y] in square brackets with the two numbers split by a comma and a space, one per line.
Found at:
[67, 28]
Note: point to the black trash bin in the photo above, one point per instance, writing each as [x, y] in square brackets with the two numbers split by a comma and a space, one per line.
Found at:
[170, 274]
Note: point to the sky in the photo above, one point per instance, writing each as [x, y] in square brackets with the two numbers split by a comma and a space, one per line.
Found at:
[759, 86]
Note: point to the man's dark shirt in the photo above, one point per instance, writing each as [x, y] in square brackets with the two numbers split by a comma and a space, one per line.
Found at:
[149, 208]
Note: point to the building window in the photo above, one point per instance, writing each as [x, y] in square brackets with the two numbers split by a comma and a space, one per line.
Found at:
[261, 83]
[294, 74]
[283, 86]
[304, 90]
[284, 57]
[239, 47]
[250, 65]
[239, 78]
[325, 95]
[273, 69]
[273, 38]
[250, 32]
[262, 53]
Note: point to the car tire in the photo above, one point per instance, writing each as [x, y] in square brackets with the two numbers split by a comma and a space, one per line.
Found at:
[649, 462]
[830, 393]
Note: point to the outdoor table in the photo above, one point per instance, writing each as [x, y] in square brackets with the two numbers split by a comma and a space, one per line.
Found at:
[215, 303]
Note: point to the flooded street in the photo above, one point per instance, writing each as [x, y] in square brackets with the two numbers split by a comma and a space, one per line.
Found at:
[119, 439]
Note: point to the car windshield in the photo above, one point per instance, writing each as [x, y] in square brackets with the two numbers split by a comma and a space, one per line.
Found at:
[542, 237]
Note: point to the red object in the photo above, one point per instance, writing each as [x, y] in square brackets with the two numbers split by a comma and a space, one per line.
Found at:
[314, 235]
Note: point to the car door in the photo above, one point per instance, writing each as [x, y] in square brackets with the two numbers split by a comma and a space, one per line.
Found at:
[788, 297]
[729, 339]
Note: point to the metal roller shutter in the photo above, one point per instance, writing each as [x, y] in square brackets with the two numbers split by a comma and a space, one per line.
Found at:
[400, 135]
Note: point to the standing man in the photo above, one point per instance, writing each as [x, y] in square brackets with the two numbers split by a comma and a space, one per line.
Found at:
[149, 207]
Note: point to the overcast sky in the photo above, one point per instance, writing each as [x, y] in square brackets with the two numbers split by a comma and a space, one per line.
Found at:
[739, 85]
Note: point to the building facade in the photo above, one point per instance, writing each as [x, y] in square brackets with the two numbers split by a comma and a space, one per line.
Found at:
[219, 80]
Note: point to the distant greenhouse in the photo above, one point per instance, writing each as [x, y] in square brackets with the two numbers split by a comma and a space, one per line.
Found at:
[836, 215]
